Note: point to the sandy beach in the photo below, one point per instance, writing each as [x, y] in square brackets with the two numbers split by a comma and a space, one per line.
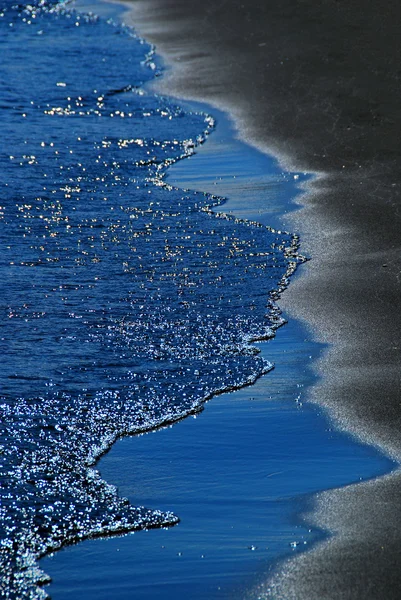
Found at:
[139, 286]
[317, 85]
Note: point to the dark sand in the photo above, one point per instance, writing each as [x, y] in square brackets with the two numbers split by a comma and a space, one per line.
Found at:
[317, 84]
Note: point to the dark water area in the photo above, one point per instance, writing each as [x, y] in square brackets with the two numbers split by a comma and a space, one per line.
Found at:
[126, 302]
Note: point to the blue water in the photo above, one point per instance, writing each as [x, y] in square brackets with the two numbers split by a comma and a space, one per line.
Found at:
[126, 302]
[239, 475]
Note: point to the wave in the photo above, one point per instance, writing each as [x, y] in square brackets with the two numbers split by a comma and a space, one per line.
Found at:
[126, 303]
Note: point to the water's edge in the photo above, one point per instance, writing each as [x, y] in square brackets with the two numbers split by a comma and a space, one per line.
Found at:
[177, 177]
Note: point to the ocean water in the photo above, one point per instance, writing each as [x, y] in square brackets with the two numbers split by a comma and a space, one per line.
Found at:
[126, 302]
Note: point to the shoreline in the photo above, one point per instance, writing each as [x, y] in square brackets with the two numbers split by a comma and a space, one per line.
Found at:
[317, 87]
[281, 303]
[157, 25]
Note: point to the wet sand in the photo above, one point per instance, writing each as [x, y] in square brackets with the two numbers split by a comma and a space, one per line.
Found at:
[317, 84]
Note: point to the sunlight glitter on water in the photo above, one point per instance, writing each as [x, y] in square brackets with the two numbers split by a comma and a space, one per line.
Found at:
[126, 302]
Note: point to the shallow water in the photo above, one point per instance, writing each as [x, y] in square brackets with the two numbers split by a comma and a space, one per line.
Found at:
[238, 475]
[125, 302]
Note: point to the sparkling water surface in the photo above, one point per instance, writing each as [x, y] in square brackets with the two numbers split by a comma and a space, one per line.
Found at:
[126, 302]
